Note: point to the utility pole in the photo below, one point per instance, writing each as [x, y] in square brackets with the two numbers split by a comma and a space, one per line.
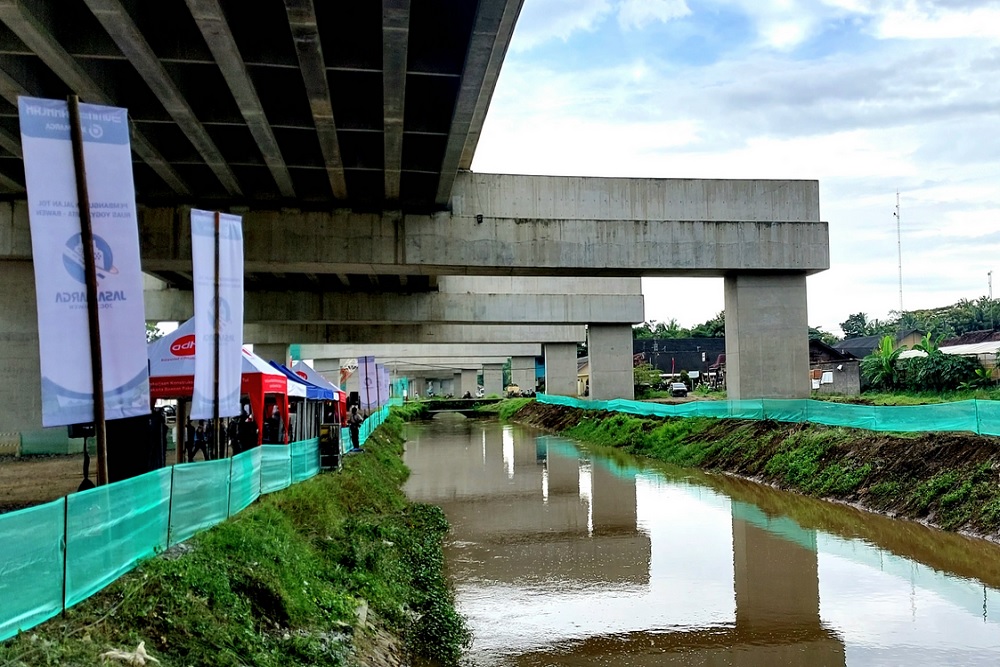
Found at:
[899, 248]
[989, 278]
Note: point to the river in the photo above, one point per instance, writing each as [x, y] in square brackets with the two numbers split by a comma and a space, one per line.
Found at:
[561, 556]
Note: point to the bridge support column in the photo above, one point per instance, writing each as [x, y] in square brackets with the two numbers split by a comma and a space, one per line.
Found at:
[458, 389]
[610, 350]
[418, 386]
[272, 352]
[20, 368]
[767, 342]
[469, 383]
[560, 369]
[493, 379]
[522, 372]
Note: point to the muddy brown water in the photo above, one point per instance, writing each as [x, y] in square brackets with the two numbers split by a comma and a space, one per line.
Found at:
[562, 556]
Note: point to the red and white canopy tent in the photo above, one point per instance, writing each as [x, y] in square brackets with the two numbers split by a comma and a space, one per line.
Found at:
[171, 374]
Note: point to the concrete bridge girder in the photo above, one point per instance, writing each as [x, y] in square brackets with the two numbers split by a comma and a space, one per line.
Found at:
[371, 309]
[374, 334]
[530, 226]
[421, 351]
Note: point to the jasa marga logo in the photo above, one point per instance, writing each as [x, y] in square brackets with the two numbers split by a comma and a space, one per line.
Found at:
[104, 263]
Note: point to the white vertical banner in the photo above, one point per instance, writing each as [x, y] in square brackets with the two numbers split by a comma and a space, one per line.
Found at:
[367, 382]
[377, 392]
[229, 308]
[58, 255]
[384, 385]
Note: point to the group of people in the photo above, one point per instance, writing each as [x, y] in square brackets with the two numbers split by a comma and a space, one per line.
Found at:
[240, 434]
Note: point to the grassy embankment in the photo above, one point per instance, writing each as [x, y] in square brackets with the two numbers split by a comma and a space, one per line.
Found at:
[916, 398]
[282, 583]
[946, 479]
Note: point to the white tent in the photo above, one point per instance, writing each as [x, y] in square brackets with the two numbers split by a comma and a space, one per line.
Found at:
[309, 374]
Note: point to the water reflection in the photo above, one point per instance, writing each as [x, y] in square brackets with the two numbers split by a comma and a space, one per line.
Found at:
[560, 557]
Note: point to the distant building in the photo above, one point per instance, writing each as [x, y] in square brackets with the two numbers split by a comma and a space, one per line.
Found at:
[863, 346]
[832, 371]
[673, 355]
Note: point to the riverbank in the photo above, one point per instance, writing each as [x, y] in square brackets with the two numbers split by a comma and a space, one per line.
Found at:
[338, 570]
[947, 480]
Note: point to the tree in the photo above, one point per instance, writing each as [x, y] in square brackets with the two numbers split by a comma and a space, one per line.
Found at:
[879, 367]
[714, 328]
[153, 332]
[815, 333]
[659, 330]
[855, 326]
[645, 376]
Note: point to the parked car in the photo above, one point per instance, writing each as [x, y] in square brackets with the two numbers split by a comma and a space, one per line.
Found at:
[678, 389]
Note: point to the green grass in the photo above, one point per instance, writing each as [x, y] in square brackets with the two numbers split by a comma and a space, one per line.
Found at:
[506, 408]
[279, 583]
[916, 398]
[411, 410]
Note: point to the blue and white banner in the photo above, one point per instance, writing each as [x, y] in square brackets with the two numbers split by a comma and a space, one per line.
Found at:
[60, 283]
[230, 311]
[368, 383]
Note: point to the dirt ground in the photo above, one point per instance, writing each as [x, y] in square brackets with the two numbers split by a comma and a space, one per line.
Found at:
[38, 479]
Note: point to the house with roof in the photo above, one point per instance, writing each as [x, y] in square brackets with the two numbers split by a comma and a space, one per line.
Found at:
[832, 371]
[863, 346]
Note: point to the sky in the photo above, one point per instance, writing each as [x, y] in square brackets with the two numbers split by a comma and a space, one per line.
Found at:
[866, 96]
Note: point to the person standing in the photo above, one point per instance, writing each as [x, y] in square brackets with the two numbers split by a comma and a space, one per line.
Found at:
[198, 442]
[354, 423]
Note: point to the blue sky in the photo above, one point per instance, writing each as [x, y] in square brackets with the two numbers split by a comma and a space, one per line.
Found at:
[866, 97]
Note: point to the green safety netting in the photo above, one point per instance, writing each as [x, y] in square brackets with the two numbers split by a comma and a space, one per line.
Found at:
[111, 528]
[975, 416]
[31, 566]
[200, 498]
[53, 556]
[305, 459]
[244, 486]
[275, 468]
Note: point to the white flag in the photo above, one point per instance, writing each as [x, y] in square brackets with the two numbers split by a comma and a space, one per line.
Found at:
[60, 283]
[229, 309]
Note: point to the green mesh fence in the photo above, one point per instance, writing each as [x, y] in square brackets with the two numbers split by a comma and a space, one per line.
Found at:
[200, 498]
[111, 528]
[305, 459]
[275, 468]
[53, 556]
[981, 417]
[244, 487]
[31, 566]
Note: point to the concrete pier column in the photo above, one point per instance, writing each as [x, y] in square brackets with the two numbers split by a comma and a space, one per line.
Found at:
[459, 388]
[767, 342]
[522, 372]
[560, 369]
[493, 379]
[418, 386]
[610, 350]
[20, 369]
[469, 382]
[272, 352]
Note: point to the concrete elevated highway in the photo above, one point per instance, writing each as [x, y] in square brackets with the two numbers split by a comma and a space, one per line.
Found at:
[344, 134]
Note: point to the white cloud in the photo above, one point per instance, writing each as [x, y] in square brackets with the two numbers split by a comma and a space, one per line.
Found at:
[635, 14]
[543, 20]
[911, 21]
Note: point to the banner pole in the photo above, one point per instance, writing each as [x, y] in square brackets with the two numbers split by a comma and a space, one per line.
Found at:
[90, 273]
[218, 315]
